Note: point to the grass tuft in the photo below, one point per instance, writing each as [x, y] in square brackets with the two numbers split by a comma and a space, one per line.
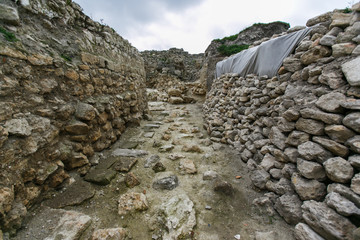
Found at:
[9, 36]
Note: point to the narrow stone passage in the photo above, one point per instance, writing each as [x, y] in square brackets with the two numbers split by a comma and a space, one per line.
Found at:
[162, 180]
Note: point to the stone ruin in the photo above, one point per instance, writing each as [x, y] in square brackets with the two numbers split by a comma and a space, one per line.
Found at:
[299, 132]
[68, 93]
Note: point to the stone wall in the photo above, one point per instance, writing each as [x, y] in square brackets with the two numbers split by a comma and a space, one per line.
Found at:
[68, 88]
[299, 133]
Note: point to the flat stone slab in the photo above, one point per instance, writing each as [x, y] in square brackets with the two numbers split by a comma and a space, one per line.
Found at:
[52, 224]
[124, 164]
[149, 134]
[156, 106]
[129, 145]
[75, 194]
[100, 176]
[121, 152]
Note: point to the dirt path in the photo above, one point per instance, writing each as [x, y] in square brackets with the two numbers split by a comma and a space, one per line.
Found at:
[189, 208]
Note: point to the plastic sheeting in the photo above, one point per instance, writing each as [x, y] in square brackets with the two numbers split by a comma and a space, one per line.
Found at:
[265, 59]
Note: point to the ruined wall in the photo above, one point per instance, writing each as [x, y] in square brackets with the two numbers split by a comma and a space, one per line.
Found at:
[68, 88]
[299, 133]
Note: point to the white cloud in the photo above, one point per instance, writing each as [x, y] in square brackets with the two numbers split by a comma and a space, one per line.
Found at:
[161, 24]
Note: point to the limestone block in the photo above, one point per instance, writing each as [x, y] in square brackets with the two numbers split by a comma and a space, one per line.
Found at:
[308, 189]
[9, 14]
[338, 169]
[351, 70]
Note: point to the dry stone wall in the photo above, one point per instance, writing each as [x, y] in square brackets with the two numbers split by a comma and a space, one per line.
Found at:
[299, 133]
[69, 86]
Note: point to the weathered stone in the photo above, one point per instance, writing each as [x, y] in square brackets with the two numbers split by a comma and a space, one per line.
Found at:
[131, 180]
[355, 183]
[280, 187]
[319, 19]
[311, 170]
[328, 40]
[339, 133]
[285, 126]
[291, 115]
[159, 167]
[179, 216]
[85, 111]
[187, 166]
[342, 49]
[327, 118]
[6, 200]
[342, 205]
[291, 154]
[333, 79]
[314, 54]
[71, 224]
[331, 102]
[176, 100]
[338, 169]
[310, 126]
[75, 194]
[345, 192]
[340, 19]
[77, 128]
[289, 207]
[332, 146]
[122, 152]
[76, 160]
[351, 103]
[308, 189]
[223, 187]
[131, 202]
[352, 121]
[275, 173]
[326, 221]
[165, 181]
[354, 144]
[355, 161]
[296, 138]
[166, 148]
[292, 64]
[351, 70]
[259, 178]
[313, 151]
[9, 14]
[40, 60]
[210, 175]
[18, 127]
[124, 164]
[174, 92]
[192, 148]
[109, 234]
[277, 138]
[268, 162]
[304, 232]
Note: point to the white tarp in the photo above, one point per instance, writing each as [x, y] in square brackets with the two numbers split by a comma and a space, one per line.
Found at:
[265, 59]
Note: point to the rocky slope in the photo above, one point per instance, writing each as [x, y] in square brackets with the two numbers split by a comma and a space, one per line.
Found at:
[299, 133]
[249, 36]
[68, 88]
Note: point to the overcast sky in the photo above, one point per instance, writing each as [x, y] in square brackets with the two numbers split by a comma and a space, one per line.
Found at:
[192, 24]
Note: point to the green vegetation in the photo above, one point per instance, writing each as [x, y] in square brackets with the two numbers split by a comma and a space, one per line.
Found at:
[66, 57]
[8, 35]
[229, 38]
[347, 10]
[231, 49]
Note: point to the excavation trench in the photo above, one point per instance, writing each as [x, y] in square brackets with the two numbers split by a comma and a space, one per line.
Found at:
[211, 209]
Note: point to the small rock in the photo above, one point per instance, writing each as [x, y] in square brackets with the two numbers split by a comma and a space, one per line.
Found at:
[165, 181]
[338, 169]
[207, 207]
[266, 235]
[342, 205]
[354, 143]
[159, 167]
[128, 153]
[187, 166]
[308, 189]
[352, 121]
[131, 202]
[175, 156]
[313, 151]
[100, 176]
[192, 148]
[304, 232]
[109, 234]
[18, 127]
[331, 102]
[151, 161]
[166, 148]
[339, 133]
[224, 187]
[124, 164]
[351, 71]
[355, 183]
[332, 146]
[310, 126]
[237, 236]
[210, 175]
[131, 180]
[326, 221]
[355, 161]
[311, 170]
[259, 178]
